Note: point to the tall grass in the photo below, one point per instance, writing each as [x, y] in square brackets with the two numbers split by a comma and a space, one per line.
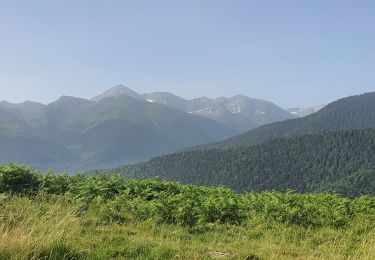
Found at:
[36, 229]
[79, 217]
[46, 227]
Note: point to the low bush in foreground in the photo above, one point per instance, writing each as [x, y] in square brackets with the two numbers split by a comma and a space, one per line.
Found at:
[73, 217]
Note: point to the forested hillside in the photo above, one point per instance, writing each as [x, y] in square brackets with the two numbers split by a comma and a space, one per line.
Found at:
[333, 161]
[353, 112]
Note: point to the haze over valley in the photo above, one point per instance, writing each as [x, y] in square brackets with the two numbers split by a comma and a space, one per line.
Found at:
[121, 126]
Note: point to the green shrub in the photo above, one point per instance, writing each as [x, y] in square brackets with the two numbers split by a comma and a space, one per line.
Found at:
[18, 179]
[113, 199]
[314, 210]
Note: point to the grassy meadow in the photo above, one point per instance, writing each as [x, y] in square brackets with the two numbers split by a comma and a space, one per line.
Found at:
[97, 217]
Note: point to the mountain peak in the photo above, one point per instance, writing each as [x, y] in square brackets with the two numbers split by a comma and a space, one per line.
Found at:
[69, 103]
[204, 98]
[69, 99]
[241, 97]
[117, 91]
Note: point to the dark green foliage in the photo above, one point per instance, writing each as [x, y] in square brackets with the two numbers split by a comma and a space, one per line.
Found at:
[17, 179]
[306, 210]
[114, 199]
[339, 161]
[55, 184]
[356, 184]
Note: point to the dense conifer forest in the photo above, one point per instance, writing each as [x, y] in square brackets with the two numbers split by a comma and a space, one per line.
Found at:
[342, 161]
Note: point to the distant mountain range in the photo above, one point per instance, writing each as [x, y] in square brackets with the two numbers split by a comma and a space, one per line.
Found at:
[121, 126]
[241, 113]
[356, 112]
[332, 149]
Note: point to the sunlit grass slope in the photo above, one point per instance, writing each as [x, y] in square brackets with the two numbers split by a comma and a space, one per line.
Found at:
[78, 217]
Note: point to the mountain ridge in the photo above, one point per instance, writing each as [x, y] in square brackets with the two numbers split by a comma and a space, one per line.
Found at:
[111, 131]
[122, 126]
[346, 113]
[256, 111]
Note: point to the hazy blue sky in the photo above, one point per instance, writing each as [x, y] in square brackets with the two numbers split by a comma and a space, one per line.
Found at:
[302, 52]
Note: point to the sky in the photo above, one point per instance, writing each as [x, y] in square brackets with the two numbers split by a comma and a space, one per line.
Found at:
[290, 52]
